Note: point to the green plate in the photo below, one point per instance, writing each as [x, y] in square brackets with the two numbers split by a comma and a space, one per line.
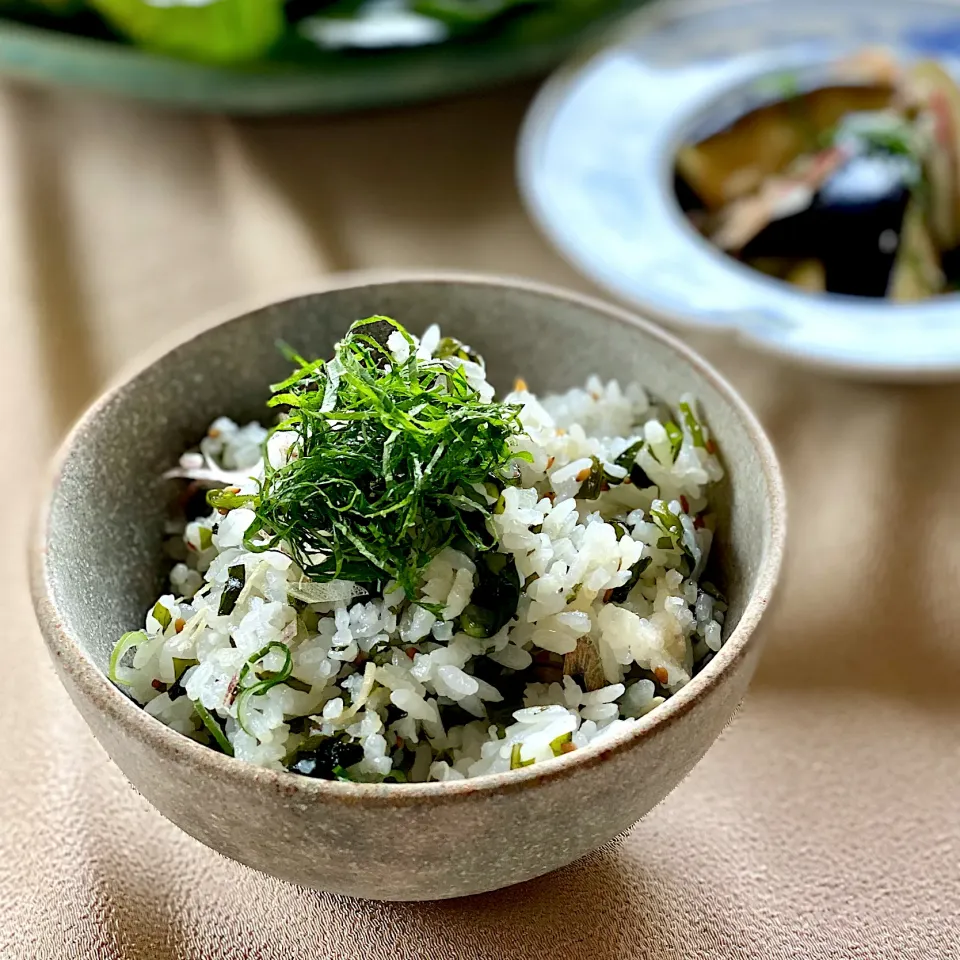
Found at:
[326, 82]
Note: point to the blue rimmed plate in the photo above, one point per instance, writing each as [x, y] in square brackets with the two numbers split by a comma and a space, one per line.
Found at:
[596, 160]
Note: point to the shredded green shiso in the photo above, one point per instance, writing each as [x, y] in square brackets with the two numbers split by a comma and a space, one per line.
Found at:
[391, 461]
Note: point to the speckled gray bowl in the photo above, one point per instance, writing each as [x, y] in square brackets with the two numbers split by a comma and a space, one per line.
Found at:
[97, 564]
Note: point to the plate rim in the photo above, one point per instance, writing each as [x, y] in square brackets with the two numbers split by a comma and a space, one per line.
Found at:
[534, 128]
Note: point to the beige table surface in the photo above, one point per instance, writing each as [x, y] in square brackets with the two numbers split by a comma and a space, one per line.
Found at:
[826, 821]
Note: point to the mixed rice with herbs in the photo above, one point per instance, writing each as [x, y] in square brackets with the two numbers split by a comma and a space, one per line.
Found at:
[407, 580]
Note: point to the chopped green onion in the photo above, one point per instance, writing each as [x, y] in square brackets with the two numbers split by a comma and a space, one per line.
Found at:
[452, 347]
[292, 682]
[556, 745]
[340, 773]
[206, 538]
[236, 577]
[229, 499]
[180, 666]
[693, 425]
[162, 615]
[127, 642]
[675, 436]
[259, 688]
[515, 762]
[214, 728]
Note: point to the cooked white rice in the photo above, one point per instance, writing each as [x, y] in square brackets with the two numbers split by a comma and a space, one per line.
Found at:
[420, 698]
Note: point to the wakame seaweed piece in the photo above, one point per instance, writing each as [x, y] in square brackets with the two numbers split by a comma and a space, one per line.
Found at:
[236, 577]
[668, 522]
[495, 597]
[628, 460]
[322, 761]
[385, 452]
[620, 594]
[711, 590]
[620, 529]
[592, 487]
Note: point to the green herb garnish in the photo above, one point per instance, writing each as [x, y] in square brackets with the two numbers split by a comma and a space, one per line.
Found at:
[556, 745]
[386, 458]
[206, 538]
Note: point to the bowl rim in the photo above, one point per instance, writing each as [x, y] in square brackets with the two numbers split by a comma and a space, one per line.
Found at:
[196, 758]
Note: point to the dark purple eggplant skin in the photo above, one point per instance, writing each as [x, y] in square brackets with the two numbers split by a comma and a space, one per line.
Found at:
[850, 226]
[950, 262]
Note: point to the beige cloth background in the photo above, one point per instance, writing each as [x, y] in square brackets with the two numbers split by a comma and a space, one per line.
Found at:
[824, 824]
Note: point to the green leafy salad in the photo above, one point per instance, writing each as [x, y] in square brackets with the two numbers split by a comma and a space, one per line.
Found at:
[250, 31]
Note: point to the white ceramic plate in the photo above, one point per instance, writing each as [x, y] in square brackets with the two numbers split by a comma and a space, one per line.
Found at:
[596, 161]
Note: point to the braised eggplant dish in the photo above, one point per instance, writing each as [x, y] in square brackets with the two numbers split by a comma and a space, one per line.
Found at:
[852, 188]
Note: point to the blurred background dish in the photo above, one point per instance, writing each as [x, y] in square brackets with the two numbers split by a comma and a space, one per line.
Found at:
[257, 57]
[849, 188]
[632, 156]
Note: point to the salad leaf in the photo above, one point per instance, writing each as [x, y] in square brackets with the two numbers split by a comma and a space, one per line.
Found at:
[467, 13]
[216, 31]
